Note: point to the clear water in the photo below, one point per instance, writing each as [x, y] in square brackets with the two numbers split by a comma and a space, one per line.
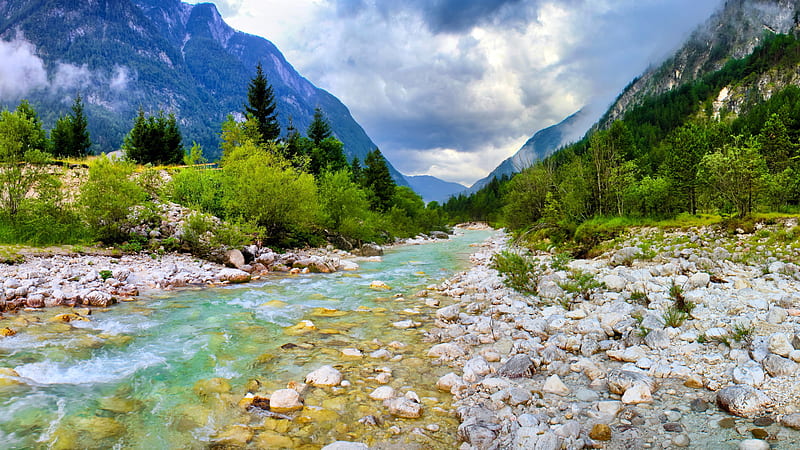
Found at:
[137, 375]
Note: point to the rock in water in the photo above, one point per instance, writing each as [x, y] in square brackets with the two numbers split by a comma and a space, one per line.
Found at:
[234, 258]
[600, 432]
[742, 400]
[285, 400]
[345, 445]
[518, 366]
[371, 250]
[753, 444]
[382, 393]
[620, 381]
[233, 276]
[324, 376]
[404, 407]
[791, 421]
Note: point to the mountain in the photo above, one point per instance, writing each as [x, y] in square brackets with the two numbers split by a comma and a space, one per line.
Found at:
[542, 144]
[433, 189]
[732, 32]
[157, 54]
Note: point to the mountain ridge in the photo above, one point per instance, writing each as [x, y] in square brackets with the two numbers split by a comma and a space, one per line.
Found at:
[166, 55]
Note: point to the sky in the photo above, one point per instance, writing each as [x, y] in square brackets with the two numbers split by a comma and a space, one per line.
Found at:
[451, 88]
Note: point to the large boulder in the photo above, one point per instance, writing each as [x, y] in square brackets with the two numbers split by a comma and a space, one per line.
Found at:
[371, 250]
[233, 276]
[742, 400]
[234, 258]
[285, 400]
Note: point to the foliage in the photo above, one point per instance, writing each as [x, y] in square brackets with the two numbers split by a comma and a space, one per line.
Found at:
[674, 317]
[520, 272]
[107, 215]
[345, 208]
[736, 173]
[261, 107]
[194, 156]
[154, 140]
[581, 285]
[198, 188]
[22, 159]
[378, 180]
[262, 188]
[71, 135]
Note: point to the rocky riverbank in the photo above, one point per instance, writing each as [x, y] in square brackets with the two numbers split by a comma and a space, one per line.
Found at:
[616, 365]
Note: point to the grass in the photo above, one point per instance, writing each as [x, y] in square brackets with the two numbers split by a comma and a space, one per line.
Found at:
[674, 317]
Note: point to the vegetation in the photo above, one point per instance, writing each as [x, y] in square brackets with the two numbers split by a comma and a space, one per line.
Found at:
[154, 140]
[71, 135]
[520, 272]
[675, 158]
[261, 107]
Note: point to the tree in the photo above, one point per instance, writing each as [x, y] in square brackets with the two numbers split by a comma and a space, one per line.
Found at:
[320, 129]
[22, 159]
[525, 201]
[154, 140]
[735, 174]
[70, 136]
[327, 155]
[685, 148]
[261, 106]
[776, 145]
[345, 206]
[107, 198]
[378, 180]
[36, 138]
[608, 149]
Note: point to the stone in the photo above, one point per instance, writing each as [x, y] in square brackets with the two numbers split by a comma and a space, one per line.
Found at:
[405, 324]
[625, 256]
[447, 382]
[600, 432]
[609, 407]
[742, 400]
[271, 439]
[212, 386]
[382, 393]
[324, 376]
[234, 258]
[99, 299]
[531, 438]
[233, 276]
[371, 250]
[475, 369]
[346, 445]
[750, 373]
[698, 280]
[446, 350]
[753, 444]
[380, 354]
[780, 344]
[791, 421]
[614, 282]
[7, 332]
[620, 380]
[234, 436]
[379, 286]
[681, 440]
[5, 374]
[638, 393]
[554, 385]
[778, 366]
[777, 315]
[285, 400]
[657, 339]
[352, 353]
[448, 313]
[403, 407]
[698, 405]
[518, 366]
[694, 381]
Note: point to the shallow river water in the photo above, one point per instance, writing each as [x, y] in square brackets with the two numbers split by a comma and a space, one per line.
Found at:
[170, 370]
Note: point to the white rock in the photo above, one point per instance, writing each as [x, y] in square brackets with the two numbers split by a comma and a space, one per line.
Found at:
[475, 369]
[554, 385]
[449, 380]
[609, 407]
[285, 400]
[405, 324]
[380, 354]
[638, 393]
[324, 376]
[698, 280]
[614, 283]
[403, 407]
[446, 350]
[780, 344]
[754, 444]
[382, 393]
[346, 445]
[352, 353]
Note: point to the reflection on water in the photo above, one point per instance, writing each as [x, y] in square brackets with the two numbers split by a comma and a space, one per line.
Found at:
[171, 371]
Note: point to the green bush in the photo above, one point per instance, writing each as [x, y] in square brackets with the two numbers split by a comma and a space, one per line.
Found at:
[108, 197]
[519, 272]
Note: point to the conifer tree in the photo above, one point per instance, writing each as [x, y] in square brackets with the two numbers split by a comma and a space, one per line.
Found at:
[154, 140]
[261, 106]
[378, 180]
[356, 172]
[70, 135]
[776, 145]
[320, 129]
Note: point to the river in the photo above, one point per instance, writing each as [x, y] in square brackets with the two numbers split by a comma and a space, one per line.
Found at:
[169, 370]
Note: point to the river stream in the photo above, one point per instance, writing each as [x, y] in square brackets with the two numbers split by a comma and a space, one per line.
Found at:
[170, 370]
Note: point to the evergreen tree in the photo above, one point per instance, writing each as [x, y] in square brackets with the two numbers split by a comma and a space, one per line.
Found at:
[70, 135]
[685, 148]
[379, 181]
[776, 145]
[37, 138]
[320, 129]
[261, 106]
[356, 172]
[154, 140]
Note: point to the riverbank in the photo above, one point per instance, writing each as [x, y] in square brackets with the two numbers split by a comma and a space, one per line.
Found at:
[614, 365]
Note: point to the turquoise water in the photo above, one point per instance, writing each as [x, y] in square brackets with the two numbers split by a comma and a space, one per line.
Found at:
[137, 375]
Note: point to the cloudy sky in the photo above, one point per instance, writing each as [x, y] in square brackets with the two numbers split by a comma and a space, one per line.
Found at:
[450, 88]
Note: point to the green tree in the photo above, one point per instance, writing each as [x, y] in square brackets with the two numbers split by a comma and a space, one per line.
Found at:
[776, 145]
[195, 155]
[327, 155]
[154, 140]
[108, 197]
[320, 129]
[735, 174]
[22, 160]
[345, 207]
[685, 148]
[235, 134]
[378, 180]
[525, 201]
[608, 149]
[36, 138]
[70, 135]
[261, 106]
[261, 187]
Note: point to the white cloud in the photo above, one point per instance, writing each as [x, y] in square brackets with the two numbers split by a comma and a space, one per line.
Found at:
[120, 78]
[22, 71]
[68, 77]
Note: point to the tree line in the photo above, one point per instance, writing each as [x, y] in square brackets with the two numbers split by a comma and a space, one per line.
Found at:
[676, 153]
[287, 189]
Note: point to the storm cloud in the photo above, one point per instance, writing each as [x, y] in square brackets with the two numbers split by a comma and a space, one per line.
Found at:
[453, 87]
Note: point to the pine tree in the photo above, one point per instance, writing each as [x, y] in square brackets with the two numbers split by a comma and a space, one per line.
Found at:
[37, 139]
[378, 180]
[776, 145]
[261, 106]
[70, 135]
[356, 172]
[154, 140]
[320, 129]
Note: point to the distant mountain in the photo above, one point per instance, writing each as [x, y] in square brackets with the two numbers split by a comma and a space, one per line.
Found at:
[433, 189]
[158, 54]
[732, 32]
[538, 147]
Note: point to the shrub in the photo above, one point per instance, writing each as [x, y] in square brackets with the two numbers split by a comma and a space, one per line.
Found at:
[519, 272]
[106, 214]
[674, 317]
[581, 285]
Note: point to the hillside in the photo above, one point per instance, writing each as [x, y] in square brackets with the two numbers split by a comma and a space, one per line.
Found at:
[158, 54]
[433, 189]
